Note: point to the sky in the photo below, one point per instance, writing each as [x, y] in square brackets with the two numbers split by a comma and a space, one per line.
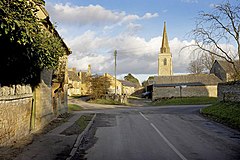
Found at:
[93, 29]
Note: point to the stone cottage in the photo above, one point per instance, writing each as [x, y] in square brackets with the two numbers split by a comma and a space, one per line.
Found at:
[85, 77]
[223, 70]
[128, 88]
[74, 83]
[23, 109]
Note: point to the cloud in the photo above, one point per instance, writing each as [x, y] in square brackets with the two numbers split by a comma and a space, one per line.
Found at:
[82, 63]
[134, 54]
[133, 28]
[212, 5]
[91, 15]
[67, 13]
[150, 15]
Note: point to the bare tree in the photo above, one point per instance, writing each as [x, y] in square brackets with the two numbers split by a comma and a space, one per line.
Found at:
[196, 66]
[221, 26]
[202, 64]
[207, 61]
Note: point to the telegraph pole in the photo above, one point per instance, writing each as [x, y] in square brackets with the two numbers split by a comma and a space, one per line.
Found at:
[115, 70]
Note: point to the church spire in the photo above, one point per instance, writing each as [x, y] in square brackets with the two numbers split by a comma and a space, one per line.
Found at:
[165, 56]
[165, 46]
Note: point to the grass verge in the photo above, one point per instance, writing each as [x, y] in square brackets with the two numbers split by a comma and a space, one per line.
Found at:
[185, 101]
[74, 107]
[227, 113]
[135, 98]
[79, 126]
[105, 101]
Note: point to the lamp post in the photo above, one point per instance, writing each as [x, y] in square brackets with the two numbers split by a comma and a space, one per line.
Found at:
[115, 70]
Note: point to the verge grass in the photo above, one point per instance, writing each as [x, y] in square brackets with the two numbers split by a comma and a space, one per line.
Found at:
[74, 107]
[105, 101]
[79, 126]
[135, 98]
[227, 113]
[83, 121]
[185, 101]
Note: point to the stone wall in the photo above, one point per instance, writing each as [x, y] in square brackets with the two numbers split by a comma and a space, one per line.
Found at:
[43, 101]
[43, 106]
[23, 111]
[60, 104]
[229, 92]
[128, 90]
[189, 91]
[15, 113]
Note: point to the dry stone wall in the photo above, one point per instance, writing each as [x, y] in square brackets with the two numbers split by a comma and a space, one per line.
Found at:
[229, 92]
[23, 111]
[15, 113]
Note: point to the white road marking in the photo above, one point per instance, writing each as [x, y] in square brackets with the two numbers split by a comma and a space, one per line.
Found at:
[165, 139]
[169, 143]
[144, 116]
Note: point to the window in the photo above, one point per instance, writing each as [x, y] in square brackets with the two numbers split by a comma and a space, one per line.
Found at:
[165, 61]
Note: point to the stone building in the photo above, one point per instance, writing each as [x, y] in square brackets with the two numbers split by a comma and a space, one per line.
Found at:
[165, 56]
[192, 85]
[79, 82]
[85, 77]
[166, 85]
[223, 70]
[128, 88]
[74, 83]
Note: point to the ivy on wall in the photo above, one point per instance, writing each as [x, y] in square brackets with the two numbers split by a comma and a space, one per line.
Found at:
[27, 43]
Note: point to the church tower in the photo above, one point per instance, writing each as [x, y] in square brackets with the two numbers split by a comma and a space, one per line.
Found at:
[165, 56]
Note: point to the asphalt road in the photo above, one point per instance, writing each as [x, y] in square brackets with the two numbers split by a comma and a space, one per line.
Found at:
[160, 133]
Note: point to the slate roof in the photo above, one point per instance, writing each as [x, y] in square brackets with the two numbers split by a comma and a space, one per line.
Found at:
[73, 76]
[203, 79]
[127, 83]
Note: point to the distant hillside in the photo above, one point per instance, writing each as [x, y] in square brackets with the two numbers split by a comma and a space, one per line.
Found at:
[132, 79]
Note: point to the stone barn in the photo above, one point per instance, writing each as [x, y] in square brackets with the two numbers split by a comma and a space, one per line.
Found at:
[192, 85]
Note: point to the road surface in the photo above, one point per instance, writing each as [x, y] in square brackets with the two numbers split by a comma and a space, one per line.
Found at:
[155, 133]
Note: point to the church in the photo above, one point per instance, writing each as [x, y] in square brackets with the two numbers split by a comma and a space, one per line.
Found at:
[168, 85]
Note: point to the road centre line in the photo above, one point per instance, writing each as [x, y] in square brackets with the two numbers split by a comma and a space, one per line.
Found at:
[165, 139]
[144, 116]
[169, 143]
